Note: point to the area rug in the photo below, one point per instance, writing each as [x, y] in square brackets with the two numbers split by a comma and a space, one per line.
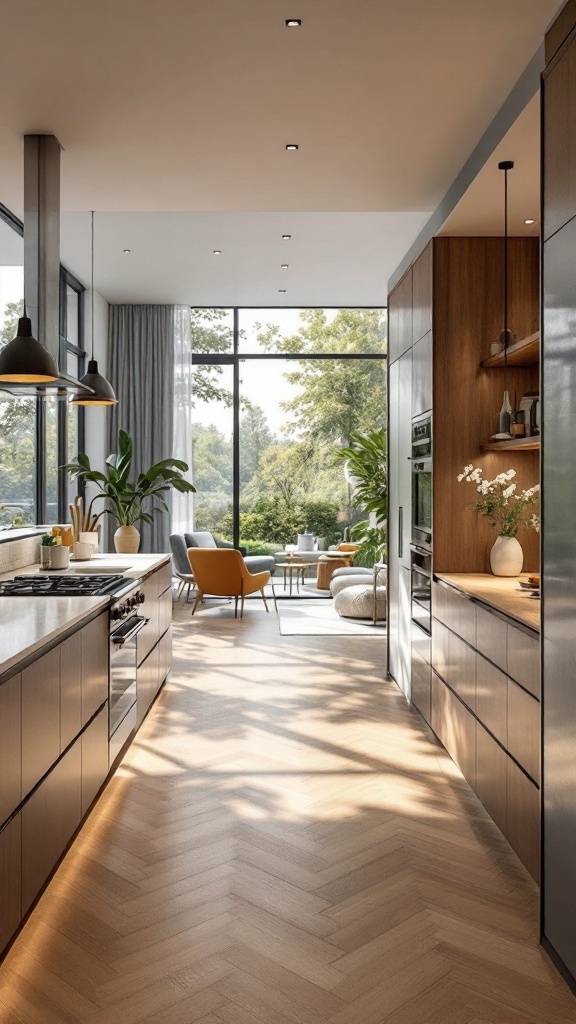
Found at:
[314, 619]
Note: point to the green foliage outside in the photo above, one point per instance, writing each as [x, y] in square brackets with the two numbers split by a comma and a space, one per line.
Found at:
[294, 482]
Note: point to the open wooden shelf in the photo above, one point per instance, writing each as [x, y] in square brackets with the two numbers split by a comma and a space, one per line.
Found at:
[522, 353]
[515, 444]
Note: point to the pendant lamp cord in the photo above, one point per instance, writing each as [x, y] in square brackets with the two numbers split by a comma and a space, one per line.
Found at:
[505, 278]
[92, 289]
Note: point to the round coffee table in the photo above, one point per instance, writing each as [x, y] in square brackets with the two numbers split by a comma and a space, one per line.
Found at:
[291, 569]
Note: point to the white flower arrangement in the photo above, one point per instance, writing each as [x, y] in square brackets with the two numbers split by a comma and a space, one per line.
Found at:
[501, 504]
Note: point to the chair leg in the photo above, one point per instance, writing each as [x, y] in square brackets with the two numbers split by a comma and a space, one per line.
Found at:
[264, 598]
[242, 607]
[236, 608]
[274, 599]
[181, 585]
[199, 597]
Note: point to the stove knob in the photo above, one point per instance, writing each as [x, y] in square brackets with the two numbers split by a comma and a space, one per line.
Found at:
[116, 613]
[141, 598]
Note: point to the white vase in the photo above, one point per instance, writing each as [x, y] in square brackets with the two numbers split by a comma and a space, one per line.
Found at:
[127, 539]
[506, 557]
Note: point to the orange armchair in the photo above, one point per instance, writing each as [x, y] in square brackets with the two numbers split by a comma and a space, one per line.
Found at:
[222, 572]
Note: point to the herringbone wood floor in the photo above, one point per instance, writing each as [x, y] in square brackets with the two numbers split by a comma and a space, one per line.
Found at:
[284, 845]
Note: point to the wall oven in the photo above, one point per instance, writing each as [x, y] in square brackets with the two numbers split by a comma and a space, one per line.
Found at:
[421, 587]
[125, 625]
[422, 482]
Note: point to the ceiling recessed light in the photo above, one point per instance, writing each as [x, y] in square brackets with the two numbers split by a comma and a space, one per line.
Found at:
[293, 22]
[127, 250]
[286, 238]
[283, 266]
[282, 290]
[291, 145]
[217, 252]
[530, 220]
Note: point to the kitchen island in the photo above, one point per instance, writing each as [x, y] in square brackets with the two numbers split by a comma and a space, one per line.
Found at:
[55, 687]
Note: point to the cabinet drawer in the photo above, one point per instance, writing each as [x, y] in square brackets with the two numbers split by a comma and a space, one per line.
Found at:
[147, 683]
[455, 611]
[94, 758]
[523, 814]
[164, 611]
[149, 635]
[455, 727]
[10, 746]
[524, 659]
[491, 637]
[524, 729]
[49, 820]
[165, 654]
[10, 879]
[440, 651]
[40, 718]
[461, 676]
[95, 659]
[70, 689]
[164, 577]
[421, 685]
[491, 777]
[492, 698]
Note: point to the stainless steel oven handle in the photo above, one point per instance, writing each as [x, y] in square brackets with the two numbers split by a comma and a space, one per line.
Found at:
[400, 531]
[119, 641]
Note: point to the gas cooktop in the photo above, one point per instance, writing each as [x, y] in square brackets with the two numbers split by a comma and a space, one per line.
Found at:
[37, 585]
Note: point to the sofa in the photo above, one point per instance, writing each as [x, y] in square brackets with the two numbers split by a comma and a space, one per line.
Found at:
[254, 563]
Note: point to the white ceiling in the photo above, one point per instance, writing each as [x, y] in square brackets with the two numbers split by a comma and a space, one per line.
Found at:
[185, 107]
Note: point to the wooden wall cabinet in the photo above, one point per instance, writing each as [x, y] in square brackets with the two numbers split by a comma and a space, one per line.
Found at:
[400, 318]
[422, 294]
[10, 746]
[559, 95]
[422, 375]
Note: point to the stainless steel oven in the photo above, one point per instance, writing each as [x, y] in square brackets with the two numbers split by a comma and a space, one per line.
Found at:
[125, 625]
[421, 587]
[422, 482]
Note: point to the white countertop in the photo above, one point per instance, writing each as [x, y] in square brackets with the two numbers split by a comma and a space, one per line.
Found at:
[28, 624]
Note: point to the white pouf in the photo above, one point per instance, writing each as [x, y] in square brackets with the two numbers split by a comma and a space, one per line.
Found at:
[358, 602]
[338, 583]
[350, 570]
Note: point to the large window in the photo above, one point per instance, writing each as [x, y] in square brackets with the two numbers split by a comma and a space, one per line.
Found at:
[37, 436]
[276, 393]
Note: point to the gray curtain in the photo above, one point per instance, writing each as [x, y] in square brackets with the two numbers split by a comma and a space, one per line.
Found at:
[141, 371]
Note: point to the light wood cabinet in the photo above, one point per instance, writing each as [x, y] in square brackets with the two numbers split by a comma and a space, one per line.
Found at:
[422, 375]
[523, 659]
[40, 718]
[10, 746]
[492, 698]
[147, 683]
[165, 654]
[492, 637]
[524, 729]
[461, 670]
[10, 879]
[95, 660]
[523, 818]
[421, 684]
[559, 98]
[150, 635]
[455, 726]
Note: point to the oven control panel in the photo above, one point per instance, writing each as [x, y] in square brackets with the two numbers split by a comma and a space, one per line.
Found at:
[123, 608]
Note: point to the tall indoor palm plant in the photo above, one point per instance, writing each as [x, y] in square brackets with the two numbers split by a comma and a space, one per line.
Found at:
[364, 460]
[129, 503]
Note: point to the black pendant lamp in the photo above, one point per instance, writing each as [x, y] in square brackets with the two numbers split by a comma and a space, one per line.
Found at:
[24, 360]
[102, 390]
[507, 336]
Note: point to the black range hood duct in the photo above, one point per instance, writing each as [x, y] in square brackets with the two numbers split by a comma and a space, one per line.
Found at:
[42, 261]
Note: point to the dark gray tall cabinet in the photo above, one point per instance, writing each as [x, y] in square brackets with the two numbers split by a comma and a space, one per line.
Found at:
[559, 494]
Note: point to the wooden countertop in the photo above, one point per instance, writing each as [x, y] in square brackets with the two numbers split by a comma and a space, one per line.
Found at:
[499, 592]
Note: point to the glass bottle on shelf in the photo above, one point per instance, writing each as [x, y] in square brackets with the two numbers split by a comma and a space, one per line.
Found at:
[505, 415]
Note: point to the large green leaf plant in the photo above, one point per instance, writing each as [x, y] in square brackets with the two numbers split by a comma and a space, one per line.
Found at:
[128, 502]
[364, 460]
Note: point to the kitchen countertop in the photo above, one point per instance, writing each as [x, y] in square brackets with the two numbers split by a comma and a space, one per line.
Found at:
[29, 624]
[499, 592]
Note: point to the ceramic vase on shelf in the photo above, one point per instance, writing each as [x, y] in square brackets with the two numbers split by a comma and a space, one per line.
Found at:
[506, 557]
[127, 540]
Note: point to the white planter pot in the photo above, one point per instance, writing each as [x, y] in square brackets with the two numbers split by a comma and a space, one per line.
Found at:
[127, 539]
[506, 557]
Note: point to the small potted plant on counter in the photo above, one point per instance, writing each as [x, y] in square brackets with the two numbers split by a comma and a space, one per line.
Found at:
[507, 509]
[129, 502]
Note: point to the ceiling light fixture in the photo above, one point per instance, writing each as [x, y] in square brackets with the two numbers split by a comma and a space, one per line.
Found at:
[530, 220]
[286, 238]
[283, 266]
[282, 290]
[291, 145]
[216, 252]
[293, 22]
[127, 250]
[102, 392]
[24, 360]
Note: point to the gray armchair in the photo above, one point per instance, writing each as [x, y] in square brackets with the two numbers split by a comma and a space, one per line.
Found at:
[254, 563]
[180, 563]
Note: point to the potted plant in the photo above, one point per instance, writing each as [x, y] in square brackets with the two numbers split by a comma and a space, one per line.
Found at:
[129, 502]
[507, 509]
[365, 469]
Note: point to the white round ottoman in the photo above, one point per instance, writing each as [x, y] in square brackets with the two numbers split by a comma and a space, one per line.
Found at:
[358, 602]
[338, 583]
[351, 570]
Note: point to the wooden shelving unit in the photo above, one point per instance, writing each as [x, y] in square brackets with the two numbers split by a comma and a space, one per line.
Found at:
[522, 353]
[515, 444]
